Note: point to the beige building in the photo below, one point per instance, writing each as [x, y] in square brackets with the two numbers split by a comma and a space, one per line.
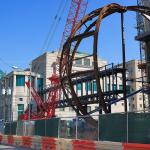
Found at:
[138, 101]
[43, 65]
[15, 94]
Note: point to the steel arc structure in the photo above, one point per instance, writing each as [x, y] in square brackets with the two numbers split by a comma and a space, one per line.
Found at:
[90, 25]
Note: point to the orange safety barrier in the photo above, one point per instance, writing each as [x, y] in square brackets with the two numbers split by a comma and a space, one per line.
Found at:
[10, 139]
[48, 143]
[134, 146]
[26, 141]
[1, 137]
[83, 145]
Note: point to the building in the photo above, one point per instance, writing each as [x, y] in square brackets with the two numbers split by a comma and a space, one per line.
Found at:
[2, 74]
[143, 28]
[43, 65]
[15, 96]
[16, 101]
[134, 82]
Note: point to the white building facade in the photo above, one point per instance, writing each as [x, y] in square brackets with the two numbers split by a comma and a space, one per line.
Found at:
[15, 94]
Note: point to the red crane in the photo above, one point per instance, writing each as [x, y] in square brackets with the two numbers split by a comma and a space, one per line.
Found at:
[47, 109]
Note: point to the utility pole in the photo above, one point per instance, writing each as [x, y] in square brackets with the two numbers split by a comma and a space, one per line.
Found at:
[124, 62]
[29, 92]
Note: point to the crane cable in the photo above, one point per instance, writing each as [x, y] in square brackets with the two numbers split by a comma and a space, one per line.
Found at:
[52, 27]
[57, 23]
[5, 63]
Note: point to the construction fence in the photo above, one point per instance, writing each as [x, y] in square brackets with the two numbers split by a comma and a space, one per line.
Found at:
[132, 127]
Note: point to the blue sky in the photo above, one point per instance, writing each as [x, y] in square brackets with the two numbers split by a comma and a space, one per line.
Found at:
[25, 24]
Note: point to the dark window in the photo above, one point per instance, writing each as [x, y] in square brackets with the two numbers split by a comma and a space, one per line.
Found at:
[128, 89]
[20, 107]
[88, 108]
[78, 61]
[20, 99]
[20, 80]
[114, 86]
[88, 86]
[78, 86]
[20, 110]
[94, 86]
[62, 109]
[120, 87]
[39, 84]
[87, 62]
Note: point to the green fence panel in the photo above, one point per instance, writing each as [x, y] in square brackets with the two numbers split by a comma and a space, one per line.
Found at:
[139, 127]
[40, 127]
[52, 127]
[13, 128]
[112, 127]
[47, 127]
[10, 128]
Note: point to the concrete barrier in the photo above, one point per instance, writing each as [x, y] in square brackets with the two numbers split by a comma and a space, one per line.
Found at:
[135, 146]
[48, 143]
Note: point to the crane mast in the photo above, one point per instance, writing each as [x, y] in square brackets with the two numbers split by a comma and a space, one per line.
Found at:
[76, 12]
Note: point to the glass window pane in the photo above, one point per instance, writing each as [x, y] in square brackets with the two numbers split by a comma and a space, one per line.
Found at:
[87, 62]
[19, 114]
[78, 87]
[39, 83]
[120, 87]
[78, 62]
[94, 86]
[20, 107]
[88, 86]
[115, 87]
[20, 80]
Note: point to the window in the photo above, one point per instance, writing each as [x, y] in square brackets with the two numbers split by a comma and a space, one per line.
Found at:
[128, 89]
[114, 87]
[20, 80]
[19, 114]
[20, 99]
[20, 110]
[20, 107]
[78, 86]
[62, 109]
[78, 61]
[39, 84]
[88, 108]
[140, 105]
[120, 87]
[32, 80]
[88, 86]
[94, 86]
[87, 62]
[133, 106]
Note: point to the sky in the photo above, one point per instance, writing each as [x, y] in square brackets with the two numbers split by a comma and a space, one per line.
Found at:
[25, 24]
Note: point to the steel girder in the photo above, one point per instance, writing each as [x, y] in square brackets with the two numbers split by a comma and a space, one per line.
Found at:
[92, 21]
